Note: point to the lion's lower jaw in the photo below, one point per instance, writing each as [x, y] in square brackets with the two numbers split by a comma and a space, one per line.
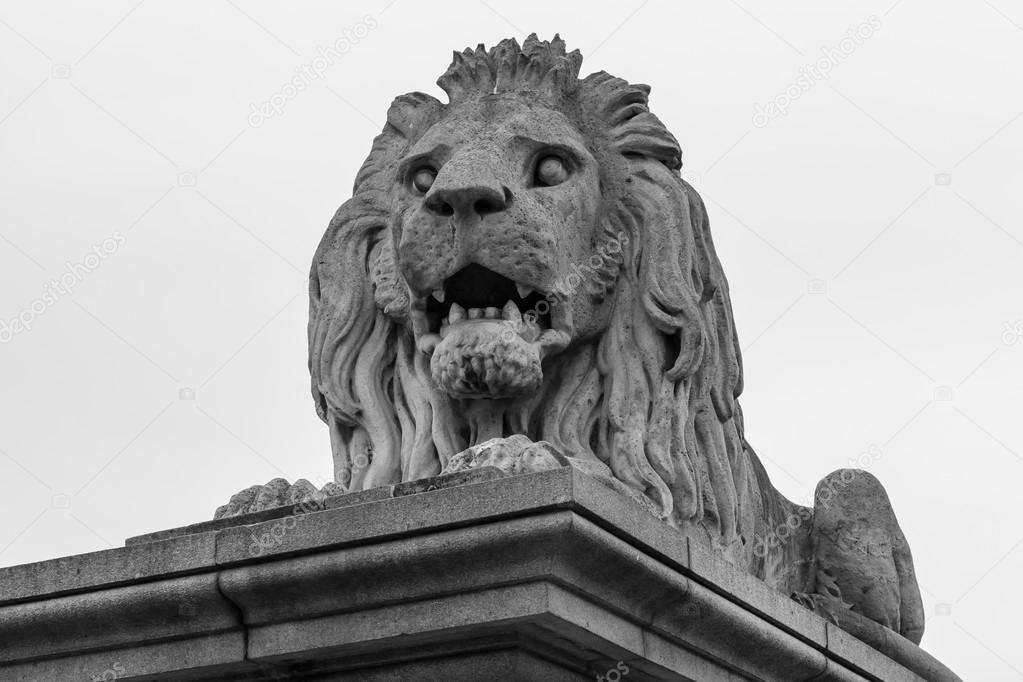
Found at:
[477, 362]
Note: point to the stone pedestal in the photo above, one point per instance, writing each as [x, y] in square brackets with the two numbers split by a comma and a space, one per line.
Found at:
[547, 576]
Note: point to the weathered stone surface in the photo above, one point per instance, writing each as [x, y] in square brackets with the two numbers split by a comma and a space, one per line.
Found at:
[542, 576]
[862, 551]
[108, 568]
[522, 279]
[215, 657]
[276, 493]
[468, 667]
[320, 503]
[456, 506]
[107, 618]
[448, 480]
[719, 574]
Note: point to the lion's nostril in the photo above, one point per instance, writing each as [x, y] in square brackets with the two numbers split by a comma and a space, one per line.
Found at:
[438, 205]
[488, 205]
[465, 202]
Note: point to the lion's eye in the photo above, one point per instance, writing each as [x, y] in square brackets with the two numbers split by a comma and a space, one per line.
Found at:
[423, 179]
[551, 171]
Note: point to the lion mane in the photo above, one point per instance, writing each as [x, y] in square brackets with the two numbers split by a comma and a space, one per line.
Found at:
[654, 397]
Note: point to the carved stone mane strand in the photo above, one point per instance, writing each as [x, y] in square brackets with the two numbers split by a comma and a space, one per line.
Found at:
[654, 397]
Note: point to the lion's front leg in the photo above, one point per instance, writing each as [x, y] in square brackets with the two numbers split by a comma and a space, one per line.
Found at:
[513, 455]
[863, 562]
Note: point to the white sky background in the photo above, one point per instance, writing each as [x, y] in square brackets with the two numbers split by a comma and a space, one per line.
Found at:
[134, 119]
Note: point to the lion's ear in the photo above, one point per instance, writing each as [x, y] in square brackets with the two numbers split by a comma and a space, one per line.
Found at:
[413, 113]
[408, 117]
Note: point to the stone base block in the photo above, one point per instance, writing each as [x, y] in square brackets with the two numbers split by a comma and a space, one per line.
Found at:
[547, 576]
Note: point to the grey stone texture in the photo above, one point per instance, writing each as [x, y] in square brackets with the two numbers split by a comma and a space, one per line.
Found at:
[553, 575]
[522, 279]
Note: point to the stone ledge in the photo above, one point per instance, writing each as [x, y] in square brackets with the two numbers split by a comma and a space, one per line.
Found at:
[333, 502]
[108, 568]
[549, 571]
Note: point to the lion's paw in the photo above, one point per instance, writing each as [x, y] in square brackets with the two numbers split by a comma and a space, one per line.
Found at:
[276, 493]
[513, 455]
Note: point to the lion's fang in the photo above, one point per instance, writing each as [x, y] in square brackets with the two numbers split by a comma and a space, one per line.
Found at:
[456, 314]
[511, 312]
[523, 290]
[439, 295]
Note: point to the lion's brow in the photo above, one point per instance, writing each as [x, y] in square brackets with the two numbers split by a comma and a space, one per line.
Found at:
[561, 143]
[441, 150]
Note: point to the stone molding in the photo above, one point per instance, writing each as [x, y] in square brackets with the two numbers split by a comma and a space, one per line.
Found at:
[549, 575]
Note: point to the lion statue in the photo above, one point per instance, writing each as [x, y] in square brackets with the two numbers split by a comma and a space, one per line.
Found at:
[522, 278]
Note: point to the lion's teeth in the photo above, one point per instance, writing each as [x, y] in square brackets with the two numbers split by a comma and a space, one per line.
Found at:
[523, 290]
[511, 312]
[439, 295]
[456, 314]
[492, 313]
[475, 313]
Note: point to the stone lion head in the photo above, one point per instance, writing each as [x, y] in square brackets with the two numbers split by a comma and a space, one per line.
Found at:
[526, 259]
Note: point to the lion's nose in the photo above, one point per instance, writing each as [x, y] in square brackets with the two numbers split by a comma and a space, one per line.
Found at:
[467, 197]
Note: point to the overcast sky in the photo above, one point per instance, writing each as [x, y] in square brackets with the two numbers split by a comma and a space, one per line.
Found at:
[863, 187]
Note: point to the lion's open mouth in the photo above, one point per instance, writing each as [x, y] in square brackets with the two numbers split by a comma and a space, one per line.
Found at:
[476, 295]
[474, 292]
